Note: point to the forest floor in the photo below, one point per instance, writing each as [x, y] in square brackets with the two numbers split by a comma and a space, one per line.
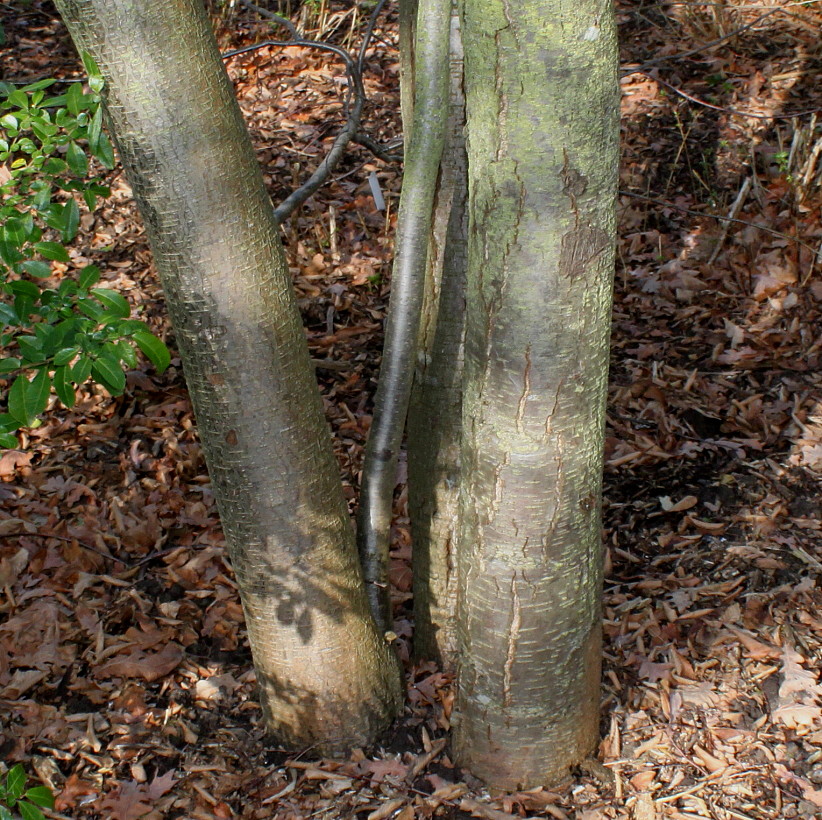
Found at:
[125, 678]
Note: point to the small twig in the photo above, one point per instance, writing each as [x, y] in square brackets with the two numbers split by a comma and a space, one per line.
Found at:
[375, 148]
[72, 540]
[738, 202]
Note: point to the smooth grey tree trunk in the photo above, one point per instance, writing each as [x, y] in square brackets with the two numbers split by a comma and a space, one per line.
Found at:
[423, 150]
[542, 125]
[435, 412]
[327, 678]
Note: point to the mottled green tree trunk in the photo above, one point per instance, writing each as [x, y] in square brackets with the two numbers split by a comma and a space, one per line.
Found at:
[326, 676]
[542, 126]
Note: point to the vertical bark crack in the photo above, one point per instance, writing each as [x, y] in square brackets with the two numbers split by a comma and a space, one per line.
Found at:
[513, 638]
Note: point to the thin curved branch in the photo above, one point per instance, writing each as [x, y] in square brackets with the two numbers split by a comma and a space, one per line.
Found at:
[380, 151]
[351, 130]
[369, 33]
[329, 163]
[402, 326]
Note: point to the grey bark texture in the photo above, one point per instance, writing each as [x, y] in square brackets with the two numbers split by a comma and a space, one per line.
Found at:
[326, 676]
[422, 158]
[542, 125]
[435, 411]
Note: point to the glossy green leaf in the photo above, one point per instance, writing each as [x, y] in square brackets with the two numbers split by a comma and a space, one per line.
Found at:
[19, 99]
[109, 374]
[8, 316]
[8, 424]
[24, 307]
[37, 268]
[31, 348]
[49, 338]
[74, 98]
[9, 364]
[39, 85]
[77, 159]
[9, 253]
[90, 64]
[112, 301]
[8, 441]
[90, 308]
[104, 152]
[126, 353]
[71, 221]
[40, 796]
[16, 231]
[28, 398]
[55, 166]
[65, 355]
[63, 386]
[153, 349]
[23, 288]
[16, 782]
[89, 276]
[30, 812]
[53, 250]
[95, 128]
[81, 370]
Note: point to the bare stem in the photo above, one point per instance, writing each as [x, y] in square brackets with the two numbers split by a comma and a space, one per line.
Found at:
[414, 225]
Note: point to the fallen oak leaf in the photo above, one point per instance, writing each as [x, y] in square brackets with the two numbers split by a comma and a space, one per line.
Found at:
[161, 784]
[73, 792]
[378, 770]
[129, 801]
[148, 666]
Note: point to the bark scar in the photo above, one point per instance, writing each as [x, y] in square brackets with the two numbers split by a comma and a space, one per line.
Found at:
[513, 636]
[526, 389]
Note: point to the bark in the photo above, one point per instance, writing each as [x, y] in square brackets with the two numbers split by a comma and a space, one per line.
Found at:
[542, 124]
[326, 676]
[407, 28]
[407, 279]
[435, 411]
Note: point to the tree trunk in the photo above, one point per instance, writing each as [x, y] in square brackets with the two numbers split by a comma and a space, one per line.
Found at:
[542, 114]
[422, 160]
[326, 677]
[435, 412]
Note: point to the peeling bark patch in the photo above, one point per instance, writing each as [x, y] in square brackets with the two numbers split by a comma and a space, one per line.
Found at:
[579, 249]
[573, 182]
[513, 635]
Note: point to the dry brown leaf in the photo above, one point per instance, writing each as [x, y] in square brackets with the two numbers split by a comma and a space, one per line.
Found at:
[129, 801]
[149, 666]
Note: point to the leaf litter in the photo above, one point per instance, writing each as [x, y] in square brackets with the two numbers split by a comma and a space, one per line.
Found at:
[126, 683]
